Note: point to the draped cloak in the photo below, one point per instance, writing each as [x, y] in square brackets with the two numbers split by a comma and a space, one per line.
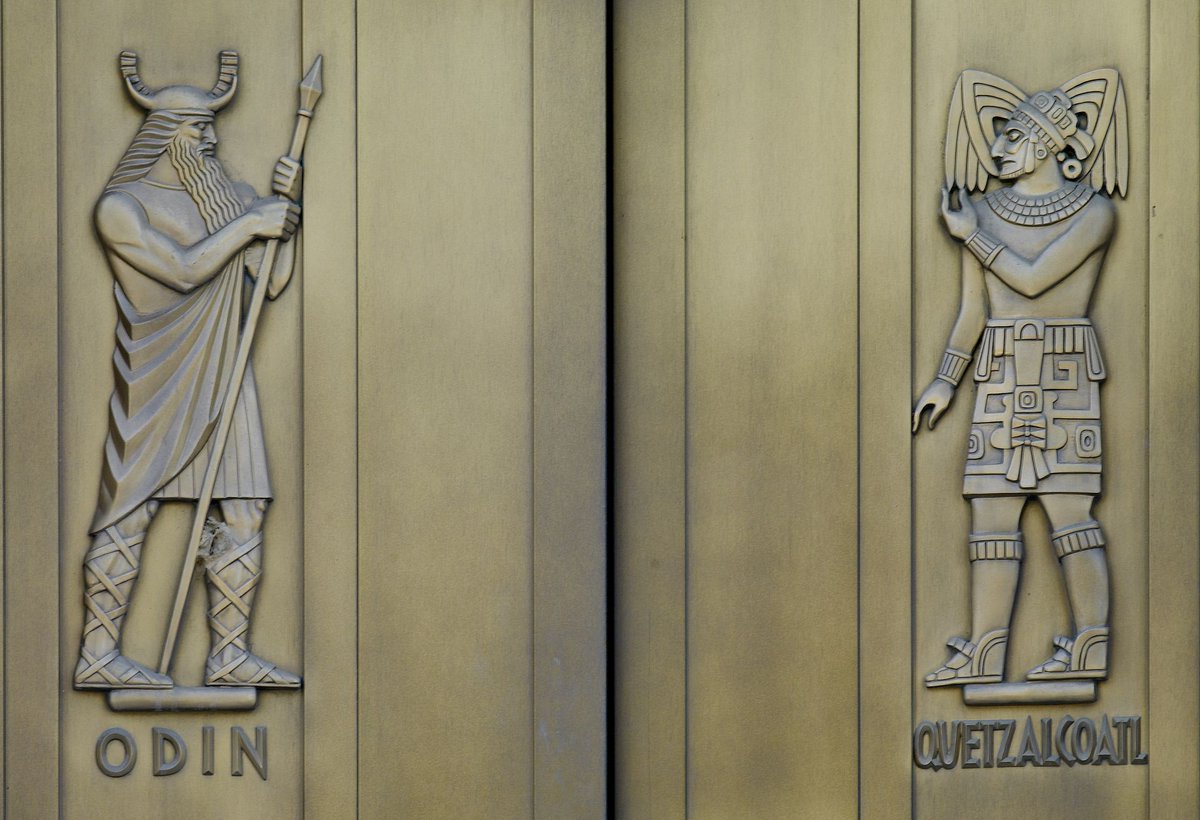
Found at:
[171, 372]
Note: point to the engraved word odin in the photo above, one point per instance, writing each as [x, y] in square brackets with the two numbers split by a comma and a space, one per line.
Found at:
[182, 239]
[1031, 255]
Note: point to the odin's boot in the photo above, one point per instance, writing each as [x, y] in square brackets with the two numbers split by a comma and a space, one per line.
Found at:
[233, 571]
[109, 570]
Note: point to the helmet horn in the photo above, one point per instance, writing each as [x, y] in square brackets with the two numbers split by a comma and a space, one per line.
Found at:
[226, 85]
[137, 89]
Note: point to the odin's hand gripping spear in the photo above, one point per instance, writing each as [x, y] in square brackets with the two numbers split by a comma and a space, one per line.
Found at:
[310, 92]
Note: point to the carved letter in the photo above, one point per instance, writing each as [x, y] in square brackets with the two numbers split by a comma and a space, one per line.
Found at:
[1140, 758]
[949, 745]
[1121, 724]
[1029, 752]
[989, 742]
[207, 752]
[239, 745]
[1104, 744]
[126, 740]
[1049, 757]
[925, 735]
[1083, 754]
[1010, 727]
[1060, 740]
[971, 743]
[160, 739]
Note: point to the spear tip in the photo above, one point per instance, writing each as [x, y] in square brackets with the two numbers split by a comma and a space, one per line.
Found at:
[310, 86]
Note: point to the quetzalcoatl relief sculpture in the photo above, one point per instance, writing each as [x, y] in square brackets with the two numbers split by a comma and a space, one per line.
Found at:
[182, 241]
[1032, 251]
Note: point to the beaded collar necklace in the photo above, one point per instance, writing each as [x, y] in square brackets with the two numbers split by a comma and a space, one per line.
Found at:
[1040, 210]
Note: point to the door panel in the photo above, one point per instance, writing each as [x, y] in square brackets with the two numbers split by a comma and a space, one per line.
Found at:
[432, 386]
[790, 559]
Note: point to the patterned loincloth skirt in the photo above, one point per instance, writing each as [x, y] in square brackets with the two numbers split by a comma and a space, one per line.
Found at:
[1036, 425]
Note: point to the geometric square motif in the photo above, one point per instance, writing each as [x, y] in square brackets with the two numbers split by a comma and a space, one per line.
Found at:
[975, 446]
[1027, 400]
[1087, 440]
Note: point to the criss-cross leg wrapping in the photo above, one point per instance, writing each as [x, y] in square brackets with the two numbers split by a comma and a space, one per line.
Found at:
[110, 568]
[233, 577]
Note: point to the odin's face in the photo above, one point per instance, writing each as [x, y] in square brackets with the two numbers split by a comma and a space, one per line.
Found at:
[1014, 150]
[200, 136]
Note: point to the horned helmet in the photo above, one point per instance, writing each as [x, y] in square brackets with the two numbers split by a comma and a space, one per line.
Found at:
[184, 99]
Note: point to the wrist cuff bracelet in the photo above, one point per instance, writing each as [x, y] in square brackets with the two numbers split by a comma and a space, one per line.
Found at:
[985, 248]
[954, 364]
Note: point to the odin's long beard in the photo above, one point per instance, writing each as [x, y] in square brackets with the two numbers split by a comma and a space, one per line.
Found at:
[205, 181]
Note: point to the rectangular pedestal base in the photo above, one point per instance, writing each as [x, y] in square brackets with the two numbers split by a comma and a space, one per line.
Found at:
[994, 694]
[184, 699]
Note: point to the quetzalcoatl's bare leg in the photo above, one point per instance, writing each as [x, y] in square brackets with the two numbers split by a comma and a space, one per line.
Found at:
[1079, 544]
[995, 549]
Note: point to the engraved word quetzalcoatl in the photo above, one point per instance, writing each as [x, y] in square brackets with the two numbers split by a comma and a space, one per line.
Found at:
[182, 240]
[1032, 252]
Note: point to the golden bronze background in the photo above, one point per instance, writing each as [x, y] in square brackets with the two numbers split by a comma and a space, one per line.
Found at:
[787, 557]
[436, 377]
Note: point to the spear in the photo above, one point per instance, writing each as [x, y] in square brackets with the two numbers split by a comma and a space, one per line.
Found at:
[310, 92]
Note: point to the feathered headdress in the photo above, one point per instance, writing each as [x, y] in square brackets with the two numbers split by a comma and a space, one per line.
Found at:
[1085, 116]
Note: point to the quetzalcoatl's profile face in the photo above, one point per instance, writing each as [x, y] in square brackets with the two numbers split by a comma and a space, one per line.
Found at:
[1013, 150]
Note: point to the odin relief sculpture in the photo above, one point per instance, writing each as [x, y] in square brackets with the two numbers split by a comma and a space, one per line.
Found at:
[182, 241]
[1032, 251]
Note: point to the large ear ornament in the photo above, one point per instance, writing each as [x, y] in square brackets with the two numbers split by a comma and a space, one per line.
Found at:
[1098, 100]
[980, 100]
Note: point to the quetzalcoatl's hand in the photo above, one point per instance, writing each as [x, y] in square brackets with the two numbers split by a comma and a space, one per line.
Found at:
[287, 178]
[961, 222]
[936, 398]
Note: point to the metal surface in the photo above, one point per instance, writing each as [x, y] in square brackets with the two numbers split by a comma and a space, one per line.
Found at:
[285, 179]
[1032, 254]
[180, 237]
[740, 264]
[996, 694]
[433, 374]
[789, 559]
[183, 699]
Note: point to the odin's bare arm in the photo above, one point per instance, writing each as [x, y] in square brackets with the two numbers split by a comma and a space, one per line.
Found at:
[972, 315]
[1089, 233]
[126, 232]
